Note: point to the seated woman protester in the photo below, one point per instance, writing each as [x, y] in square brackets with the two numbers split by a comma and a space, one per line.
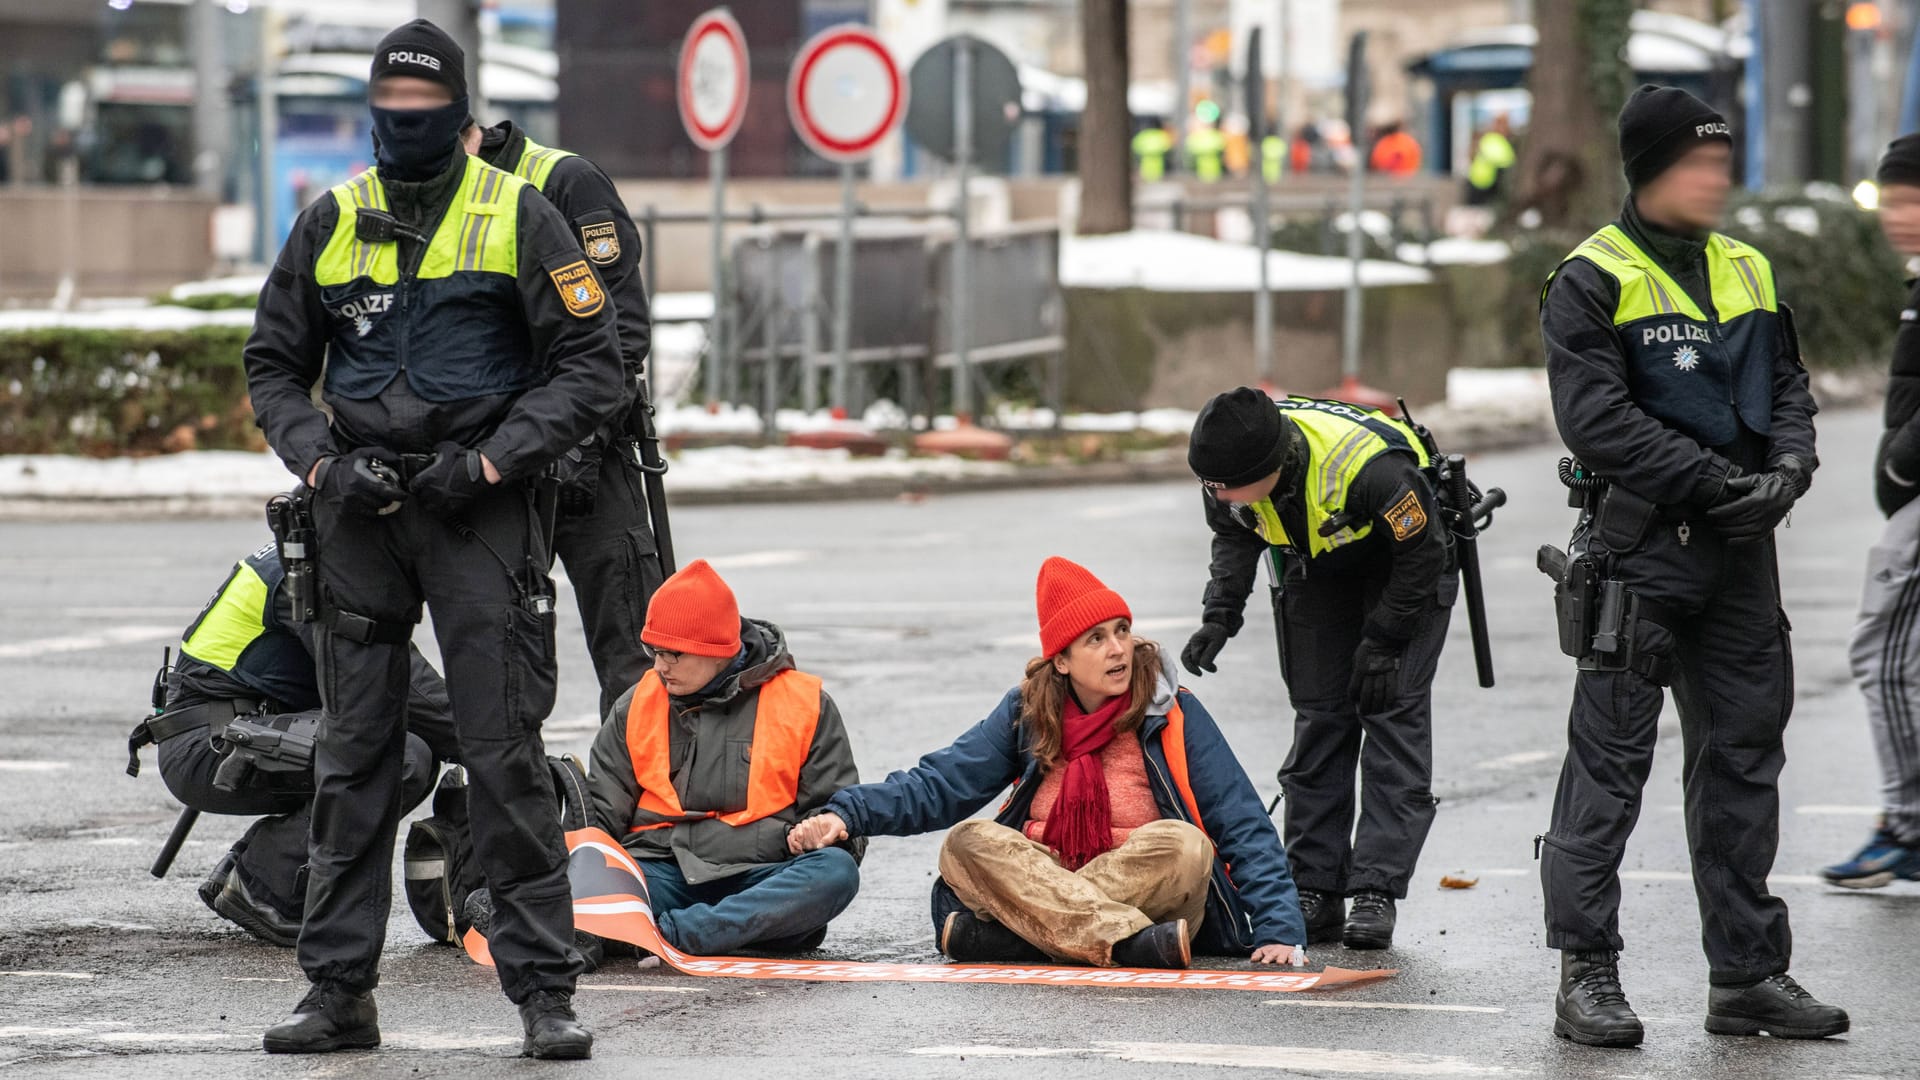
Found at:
[701, 769]
[1127, 806]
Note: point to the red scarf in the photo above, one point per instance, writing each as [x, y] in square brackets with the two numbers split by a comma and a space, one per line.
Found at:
[1080, 827]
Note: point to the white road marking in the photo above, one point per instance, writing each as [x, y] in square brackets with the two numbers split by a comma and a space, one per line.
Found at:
[1301, 1059]
[144, 1037]
[1518, 759]
[118, 635]
[254, 978]
[759, 560]
[434, 1040]
[47, 974]
[1309, 1003]
[33, 766]
[1656, 875]
[644, 989]
[1837, 810]
[106, 924]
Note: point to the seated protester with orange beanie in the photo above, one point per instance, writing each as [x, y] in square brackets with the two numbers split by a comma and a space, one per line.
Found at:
[1127, 807]
[702, 768]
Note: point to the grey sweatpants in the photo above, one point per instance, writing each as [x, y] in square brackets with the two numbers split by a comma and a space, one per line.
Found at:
[1886, 663]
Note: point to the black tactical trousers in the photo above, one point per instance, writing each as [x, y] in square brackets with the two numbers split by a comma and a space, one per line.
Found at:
[1732, 675]
[1392, 750]
[614, 565]
[270, 854]
[498, 651]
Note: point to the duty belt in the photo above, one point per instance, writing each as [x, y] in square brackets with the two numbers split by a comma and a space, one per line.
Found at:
[163, 726]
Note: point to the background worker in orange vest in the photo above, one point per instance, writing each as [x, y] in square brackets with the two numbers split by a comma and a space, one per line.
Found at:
[1395, 152]
[1127, 805]
[724, 721]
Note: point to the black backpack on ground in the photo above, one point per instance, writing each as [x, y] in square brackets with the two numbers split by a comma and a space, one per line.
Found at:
[440, 868]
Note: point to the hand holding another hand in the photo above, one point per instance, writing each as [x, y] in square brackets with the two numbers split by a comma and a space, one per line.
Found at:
[815, 833]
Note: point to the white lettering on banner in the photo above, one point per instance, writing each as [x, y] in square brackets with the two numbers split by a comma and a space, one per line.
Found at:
[420, 58]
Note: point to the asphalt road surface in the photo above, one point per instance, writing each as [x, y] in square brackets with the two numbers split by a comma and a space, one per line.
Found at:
[919, 615]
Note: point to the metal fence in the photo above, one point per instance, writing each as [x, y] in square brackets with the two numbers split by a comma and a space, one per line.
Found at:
[773, 325]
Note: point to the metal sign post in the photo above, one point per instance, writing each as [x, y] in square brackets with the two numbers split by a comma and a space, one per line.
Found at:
[1256, 91]
[713, 81]
[1356, 120]
[963, 164]
[845, 95]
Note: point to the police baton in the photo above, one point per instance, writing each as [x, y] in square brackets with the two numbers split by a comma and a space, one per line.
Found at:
[653, 471]
[182, 825]
[1465, 515]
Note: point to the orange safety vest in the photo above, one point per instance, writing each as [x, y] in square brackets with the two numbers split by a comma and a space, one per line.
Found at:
[783, 727]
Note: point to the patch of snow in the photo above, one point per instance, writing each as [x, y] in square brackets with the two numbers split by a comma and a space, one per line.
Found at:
[159, 317]
[238, 475]
[1455, 251]
[1179, 262]
[238, 285]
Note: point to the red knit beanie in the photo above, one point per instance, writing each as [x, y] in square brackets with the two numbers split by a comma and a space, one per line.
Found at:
[1072, 601]
[694, 612]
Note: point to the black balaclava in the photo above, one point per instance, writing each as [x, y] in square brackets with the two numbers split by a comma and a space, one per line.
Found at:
[413, 145]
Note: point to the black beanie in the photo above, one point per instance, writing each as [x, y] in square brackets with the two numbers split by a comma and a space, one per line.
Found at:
[1901, 163]
[1659, 125]
[423, 51]
[1236, 439]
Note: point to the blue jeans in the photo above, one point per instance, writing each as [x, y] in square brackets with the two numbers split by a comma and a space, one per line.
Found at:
[769, 908]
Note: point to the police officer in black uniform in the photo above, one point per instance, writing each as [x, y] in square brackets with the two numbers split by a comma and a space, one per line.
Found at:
[1677, 383]
[467, 345]
[247, 657]
[603, 534]
[1338, 494]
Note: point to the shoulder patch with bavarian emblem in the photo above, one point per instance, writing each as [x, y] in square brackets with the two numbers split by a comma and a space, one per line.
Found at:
[579, 289]
[1407, 517]
[601, 241]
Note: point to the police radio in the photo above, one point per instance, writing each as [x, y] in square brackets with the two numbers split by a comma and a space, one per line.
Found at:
[372, 226]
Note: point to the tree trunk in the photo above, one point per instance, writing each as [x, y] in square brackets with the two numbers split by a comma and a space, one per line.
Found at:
[1106, 165]
[1569, 167]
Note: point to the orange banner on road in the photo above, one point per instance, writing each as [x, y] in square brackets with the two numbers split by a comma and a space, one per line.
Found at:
[610, 901]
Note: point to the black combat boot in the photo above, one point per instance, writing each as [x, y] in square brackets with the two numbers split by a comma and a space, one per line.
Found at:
[969, 939]
[236, 904]
[216, 880]
[1162, 945]
[1325, 914]
[1590, 1008]
[553, 1032]
[329, 1018]
[1775, 1006]
[1370, 922]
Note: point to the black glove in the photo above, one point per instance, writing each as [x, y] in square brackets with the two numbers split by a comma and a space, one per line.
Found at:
[1203, 647]
[1760, 503]
[452, 480]
[578, 472]
[1711, 489]
[363, 481]
[1376, 675]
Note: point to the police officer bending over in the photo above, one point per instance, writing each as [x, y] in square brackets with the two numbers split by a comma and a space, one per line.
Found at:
[467, 345]
[1337, 493]
[245, 659]
[603, 533]
[1677, 382]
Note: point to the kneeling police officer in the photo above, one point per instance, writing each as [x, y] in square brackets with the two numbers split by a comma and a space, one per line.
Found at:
[246, 672]
[466, 344]
[1677, 383]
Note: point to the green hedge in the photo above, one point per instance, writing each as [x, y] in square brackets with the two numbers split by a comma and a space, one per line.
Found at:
[1845, 285]
[104, 392]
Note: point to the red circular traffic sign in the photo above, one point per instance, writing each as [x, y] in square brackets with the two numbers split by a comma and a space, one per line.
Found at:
[713, 80]
[845, 93]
